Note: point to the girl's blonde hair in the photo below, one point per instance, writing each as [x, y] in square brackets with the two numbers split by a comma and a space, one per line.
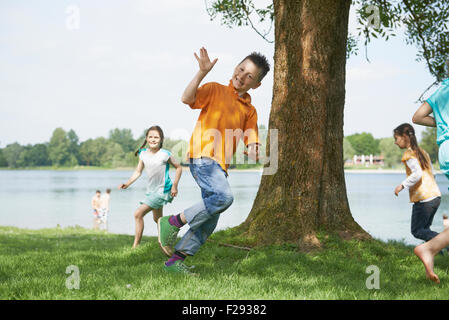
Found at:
[408, 130]
[161, 134]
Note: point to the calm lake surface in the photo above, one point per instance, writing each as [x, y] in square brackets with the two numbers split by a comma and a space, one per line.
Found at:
[44, 199]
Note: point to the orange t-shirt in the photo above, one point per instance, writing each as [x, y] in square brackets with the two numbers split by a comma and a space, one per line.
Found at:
[225, 118]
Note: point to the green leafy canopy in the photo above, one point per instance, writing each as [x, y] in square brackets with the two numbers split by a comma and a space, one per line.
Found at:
[425, 23]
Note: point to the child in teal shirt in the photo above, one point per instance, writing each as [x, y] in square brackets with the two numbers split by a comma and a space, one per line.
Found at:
[438, 104]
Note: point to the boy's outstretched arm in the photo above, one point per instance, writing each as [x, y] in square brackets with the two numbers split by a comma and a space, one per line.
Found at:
[422, 117]
[205, 65]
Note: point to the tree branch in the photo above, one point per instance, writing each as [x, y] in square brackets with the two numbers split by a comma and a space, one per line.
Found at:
[254, 28]
[415, 21]
[420, 97]
[230, 245]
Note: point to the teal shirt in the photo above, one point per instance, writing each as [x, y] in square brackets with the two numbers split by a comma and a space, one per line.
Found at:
[439, 101]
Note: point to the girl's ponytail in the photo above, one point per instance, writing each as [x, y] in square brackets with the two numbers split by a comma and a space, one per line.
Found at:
[421, 157]
[408, 130]
[143, 145]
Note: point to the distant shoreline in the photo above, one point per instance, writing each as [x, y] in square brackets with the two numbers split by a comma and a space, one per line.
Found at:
[383, 171]
[81, 168]
[375, 171]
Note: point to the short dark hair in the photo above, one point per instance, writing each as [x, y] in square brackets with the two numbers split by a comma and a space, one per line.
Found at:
[108, 190]
[98, 191]
[260, 61]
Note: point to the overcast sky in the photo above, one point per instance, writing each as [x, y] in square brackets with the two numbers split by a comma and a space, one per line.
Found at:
[126, 64]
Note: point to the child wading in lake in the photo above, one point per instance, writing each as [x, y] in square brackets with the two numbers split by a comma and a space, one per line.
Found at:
[160, 189]
[223, 108]
[423, 189]
[96, 208]
[104, 210]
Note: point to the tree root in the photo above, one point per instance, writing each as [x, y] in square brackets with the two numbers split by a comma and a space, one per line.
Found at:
[230, 245]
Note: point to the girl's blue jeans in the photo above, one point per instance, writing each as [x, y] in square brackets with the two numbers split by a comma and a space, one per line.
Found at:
[203, 216]
[422, 218]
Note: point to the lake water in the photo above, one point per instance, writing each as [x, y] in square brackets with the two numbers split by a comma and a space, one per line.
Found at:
[44, 199]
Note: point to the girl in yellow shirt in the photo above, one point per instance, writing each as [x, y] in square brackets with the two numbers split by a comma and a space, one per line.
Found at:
[423, 189]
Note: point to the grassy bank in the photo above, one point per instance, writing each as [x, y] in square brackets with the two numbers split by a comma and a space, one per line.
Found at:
[33, 265]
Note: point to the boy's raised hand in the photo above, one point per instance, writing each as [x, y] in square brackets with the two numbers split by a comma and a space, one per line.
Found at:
[204, 61]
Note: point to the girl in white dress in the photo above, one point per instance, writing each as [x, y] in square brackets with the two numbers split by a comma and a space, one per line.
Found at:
[160, 189]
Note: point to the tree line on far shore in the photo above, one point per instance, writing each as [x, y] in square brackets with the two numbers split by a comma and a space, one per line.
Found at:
[64, 150]
[117, 150]
[365, 144]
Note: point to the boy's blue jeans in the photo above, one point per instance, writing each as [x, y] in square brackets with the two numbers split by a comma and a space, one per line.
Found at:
[203, 216]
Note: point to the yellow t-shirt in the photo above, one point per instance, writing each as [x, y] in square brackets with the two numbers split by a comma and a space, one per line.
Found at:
[426, 187]
[225, 118]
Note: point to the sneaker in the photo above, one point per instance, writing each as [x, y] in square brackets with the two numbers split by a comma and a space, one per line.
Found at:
[167, 235]
[180, 268]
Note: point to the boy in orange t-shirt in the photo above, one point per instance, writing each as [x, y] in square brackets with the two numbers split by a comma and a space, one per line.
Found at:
[227, 116]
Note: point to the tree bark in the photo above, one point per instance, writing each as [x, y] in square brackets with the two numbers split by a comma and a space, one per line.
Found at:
[308, 192]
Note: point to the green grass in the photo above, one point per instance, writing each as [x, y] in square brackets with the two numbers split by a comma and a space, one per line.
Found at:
[33, 266]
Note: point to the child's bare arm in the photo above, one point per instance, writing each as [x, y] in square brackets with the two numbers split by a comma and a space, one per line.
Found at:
[178, 167]
[398, 189]
[205, 65]
[136, 174]
[422, 116]
[413, 178]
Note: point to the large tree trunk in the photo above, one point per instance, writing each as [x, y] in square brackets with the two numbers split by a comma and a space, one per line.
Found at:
[308, 192]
